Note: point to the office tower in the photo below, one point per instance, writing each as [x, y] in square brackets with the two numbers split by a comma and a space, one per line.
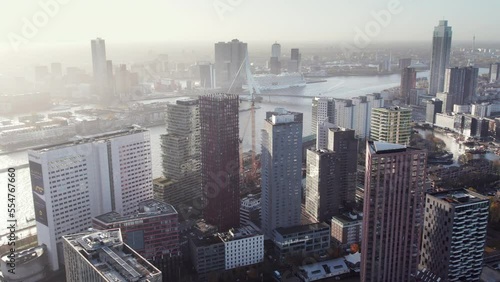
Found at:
[359, 115]
[323, 110]
[181, 147]
[374, 101]
[454, 234]
[433, 107]
[447, 100]
[441, 48]
[481, 110]
[354, 113]
[96, 255]
[100, 68]
[343, 113]
[392, 211]
[331, 175]
[56, 69]
[461, 84]
[281, 161]
[295, 61]
[408, 82]
[392, 125]
[152, 231]
[229, 63]
[494, 73]
[207, 76]
[220, 175]
[124, 82]
[274, 62]
[404, 63]
[276, 50]
[322, 135]
[75, 181]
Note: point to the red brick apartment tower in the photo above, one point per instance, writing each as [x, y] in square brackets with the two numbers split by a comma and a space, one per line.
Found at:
[392, 212]
[219, 117]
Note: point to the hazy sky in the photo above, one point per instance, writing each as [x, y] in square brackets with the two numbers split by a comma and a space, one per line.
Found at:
[248, 20]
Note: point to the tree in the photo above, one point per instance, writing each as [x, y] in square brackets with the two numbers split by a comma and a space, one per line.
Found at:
[354, 248]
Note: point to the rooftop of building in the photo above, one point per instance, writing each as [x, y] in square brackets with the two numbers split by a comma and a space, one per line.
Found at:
[219, 96]
[187, 101]
[121, 263]
[378, 147]
[238, 233]
[204, 228]
[27, 255]
[205, 241]
[93, 138]
[309, 138]
[149, 208]
[349, 217]
[324, 269]
[163, 181]
[459, 197]
[302, 228]
[283, 116]
[393, 109]
[251, 200]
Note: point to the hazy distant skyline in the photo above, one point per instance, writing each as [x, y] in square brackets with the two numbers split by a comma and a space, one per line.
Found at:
[249, 20]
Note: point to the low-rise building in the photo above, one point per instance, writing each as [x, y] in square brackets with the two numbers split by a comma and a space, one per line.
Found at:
[223, 251]
[322, 270]
[101, 255]
[250, 210]
[244, 246]
[346, 228]
[301, 239]
[152, 231]
[207, 254]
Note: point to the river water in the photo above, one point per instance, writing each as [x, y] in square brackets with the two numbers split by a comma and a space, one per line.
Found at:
[338, 87]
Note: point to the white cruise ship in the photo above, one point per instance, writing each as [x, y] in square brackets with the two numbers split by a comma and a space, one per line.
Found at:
[269, 82]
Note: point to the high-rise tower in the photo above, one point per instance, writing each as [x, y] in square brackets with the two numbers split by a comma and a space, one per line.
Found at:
[220, 177]
[441, 48]
[281, 161]
[392, 212]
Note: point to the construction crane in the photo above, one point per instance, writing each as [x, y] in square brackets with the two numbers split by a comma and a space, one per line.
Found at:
[254, 89]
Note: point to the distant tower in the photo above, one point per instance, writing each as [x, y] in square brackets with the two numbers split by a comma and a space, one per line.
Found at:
[461, 84]
[229, 57]
[392, 212]
[408, 82]
[220, 173]
[441, 48]
[100, 68]
[433, 107]
[276, 50]
[281, 161]
[295, 61]
[207, 76]
[274, 62]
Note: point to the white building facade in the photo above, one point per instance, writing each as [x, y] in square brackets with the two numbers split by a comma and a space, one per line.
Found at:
[73, 182]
